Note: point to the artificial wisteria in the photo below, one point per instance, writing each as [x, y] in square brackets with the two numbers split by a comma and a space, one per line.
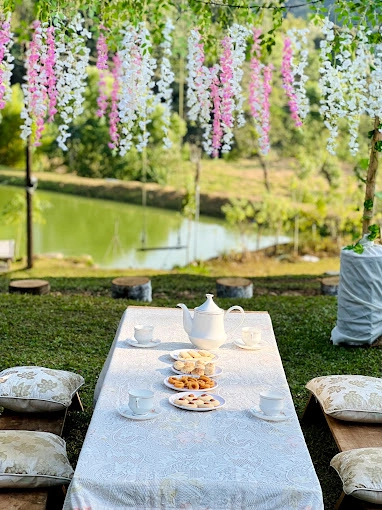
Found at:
[299, 62]
[6, 59]
[374, 106]
[114, 115]
[102, 67]
[287, 75]
[166, 79]
[260, 88]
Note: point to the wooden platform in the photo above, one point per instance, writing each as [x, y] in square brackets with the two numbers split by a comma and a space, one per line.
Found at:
[39, 498]
[348, 436]
[329, 286]
[38, 287]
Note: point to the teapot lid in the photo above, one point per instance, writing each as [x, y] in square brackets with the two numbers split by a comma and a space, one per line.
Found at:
[209, 306]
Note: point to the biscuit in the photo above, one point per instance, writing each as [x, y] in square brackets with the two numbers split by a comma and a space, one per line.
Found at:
[215, 402]
[189, 404]
[205, 405]
[184, 355]
[198, 371]
[205, 397]
[178, 365]
[209, 369]
[206, 354]
[180, 401]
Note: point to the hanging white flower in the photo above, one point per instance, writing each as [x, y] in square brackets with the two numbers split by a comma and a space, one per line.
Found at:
[72, 58]
[166, 79]
[374, 106]
[6, 59]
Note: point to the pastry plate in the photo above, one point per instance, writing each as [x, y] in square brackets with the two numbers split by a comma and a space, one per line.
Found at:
[126, 412]
[239, 342]
[197, 409]
[218, 371]
[134, 343]
[205, 390]
[175, 355]
[266, 417]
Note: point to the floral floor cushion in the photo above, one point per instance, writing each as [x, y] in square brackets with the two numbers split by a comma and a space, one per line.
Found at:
[33, 459]
[360, 471]
[349, 397]
[37, 389]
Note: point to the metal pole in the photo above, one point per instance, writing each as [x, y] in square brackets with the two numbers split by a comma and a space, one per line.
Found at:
[29, 188]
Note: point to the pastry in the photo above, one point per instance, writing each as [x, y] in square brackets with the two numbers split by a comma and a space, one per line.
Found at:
[194, 354]
[215, 402]
[172, 379]
[184, 355]
[205, 397]
[178, 365]
[193, 385]
[188, 367]
[189, 404]
[209, 369]
[180, 401]
[198, 371]
[206, 354]
[205, 405]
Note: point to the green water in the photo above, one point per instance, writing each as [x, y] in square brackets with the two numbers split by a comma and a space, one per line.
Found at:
[111, 232]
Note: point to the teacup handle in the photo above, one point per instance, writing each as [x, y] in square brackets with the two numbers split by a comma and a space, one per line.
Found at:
[236, 307]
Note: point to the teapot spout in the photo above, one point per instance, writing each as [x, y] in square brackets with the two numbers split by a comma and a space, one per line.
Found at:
[187, 319]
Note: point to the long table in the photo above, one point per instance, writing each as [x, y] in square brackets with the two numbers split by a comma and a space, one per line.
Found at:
[224, 459]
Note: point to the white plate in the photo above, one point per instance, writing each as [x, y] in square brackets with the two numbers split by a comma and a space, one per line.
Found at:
[184, 393]
[266, 417]
[175, 355]
[169, 385]
[134, 343]
[218, 372]
[239, 342]
[126, 412]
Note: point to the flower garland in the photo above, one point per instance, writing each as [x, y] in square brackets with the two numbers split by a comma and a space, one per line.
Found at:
[343, 83]
[287, 77]
[198, 88]
[35, 91]
[114, 115]
[166, 79]
[51, 78]
[136, 96]
[260, 88]
[6, 59]
[102, 67]
[299, 43]
[238, 35]
[72, 58]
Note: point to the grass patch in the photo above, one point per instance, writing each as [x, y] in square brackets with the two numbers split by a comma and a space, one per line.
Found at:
[74, 326]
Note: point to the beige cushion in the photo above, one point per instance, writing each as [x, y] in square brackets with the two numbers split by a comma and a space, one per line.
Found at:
[360, 471]
[349, 397]
[33, 459]
[37, 389]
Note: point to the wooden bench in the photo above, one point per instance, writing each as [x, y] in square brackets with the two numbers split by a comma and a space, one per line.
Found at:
[7, 252]
[39, 498]
[348, 436]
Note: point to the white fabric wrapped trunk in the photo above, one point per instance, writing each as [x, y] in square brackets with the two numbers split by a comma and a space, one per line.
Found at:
[359, 315]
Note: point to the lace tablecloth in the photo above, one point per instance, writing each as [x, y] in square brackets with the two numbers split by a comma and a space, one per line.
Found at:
[225, 459]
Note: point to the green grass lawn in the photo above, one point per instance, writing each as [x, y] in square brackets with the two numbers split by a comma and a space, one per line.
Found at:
[74, 326]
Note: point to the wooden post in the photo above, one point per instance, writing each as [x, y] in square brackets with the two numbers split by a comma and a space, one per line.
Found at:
[29, 189]
[371, 178]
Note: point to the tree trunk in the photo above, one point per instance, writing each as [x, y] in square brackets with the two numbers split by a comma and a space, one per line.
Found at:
[368, 211]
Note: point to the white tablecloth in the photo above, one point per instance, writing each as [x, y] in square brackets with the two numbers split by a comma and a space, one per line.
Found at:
[224, 459]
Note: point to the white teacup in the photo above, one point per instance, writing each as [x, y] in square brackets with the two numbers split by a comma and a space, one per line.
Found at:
[143, 334]
[250, 335]
[271, 402]
[141, 401]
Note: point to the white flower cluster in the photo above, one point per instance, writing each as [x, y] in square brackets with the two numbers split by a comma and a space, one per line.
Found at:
[343, 82]
[136, 98]
[166, 79]
[299, 63]
[198, 88]
[72, 58]
[238, 34]
[374, 107]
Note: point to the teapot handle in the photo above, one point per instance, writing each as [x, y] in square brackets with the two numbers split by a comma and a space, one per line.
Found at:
[236, 307]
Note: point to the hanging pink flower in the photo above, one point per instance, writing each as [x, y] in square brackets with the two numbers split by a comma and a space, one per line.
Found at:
[267, 89]
[113, 115]
[287, 75]
[217, 131]
[226, 76]
[102, 66]
[6, 42]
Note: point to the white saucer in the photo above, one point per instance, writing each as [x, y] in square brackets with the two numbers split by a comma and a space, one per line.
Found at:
[134, 343]
[239, 342]
[197, 409]
[126, 412]
[262, 416]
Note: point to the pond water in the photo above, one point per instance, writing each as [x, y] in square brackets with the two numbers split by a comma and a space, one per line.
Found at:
[114, 233]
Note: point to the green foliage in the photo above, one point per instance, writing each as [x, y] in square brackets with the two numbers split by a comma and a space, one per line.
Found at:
[375, 232]
[12, 147]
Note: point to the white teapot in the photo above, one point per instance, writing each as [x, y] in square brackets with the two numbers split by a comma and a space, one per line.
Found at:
[206, 328]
